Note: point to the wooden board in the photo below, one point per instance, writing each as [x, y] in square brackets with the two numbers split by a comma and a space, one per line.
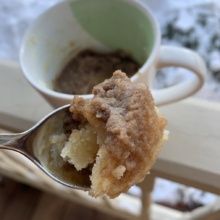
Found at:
[190, 156]
[21, 202]
[20, 105]
[192, 153]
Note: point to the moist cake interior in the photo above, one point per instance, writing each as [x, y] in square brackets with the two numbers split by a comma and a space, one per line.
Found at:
[119, 136]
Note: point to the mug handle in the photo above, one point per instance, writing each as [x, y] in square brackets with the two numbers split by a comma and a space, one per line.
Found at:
[180, 57]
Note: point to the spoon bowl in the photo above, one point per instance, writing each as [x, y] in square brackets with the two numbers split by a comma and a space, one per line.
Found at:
[35, 145]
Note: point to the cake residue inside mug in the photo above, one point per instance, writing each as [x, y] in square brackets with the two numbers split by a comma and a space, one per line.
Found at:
[89, 68]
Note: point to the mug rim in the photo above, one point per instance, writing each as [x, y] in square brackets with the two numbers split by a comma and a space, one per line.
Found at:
[66, 97]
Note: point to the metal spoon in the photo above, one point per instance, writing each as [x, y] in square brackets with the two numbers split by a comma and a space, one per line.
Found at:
[29, 142]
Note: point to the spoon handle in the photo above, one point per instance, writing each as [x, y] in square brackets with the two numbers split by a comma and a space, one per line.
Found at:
[5, 138]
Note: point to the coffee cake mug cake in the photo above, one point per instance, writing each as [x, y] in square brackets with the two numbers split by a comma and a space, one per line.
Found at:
[103, 27]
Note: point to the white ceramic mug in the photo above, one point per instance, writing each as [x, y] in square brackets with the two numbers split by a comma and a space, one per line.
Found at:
[103, 25]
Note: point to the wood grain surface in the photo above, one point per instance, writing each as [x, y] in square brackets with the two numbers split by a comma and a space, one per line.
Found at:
[21, 202]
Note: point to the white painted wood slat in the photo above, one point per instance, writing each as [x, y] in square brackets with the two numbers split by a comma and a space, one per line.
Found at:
[191, 155]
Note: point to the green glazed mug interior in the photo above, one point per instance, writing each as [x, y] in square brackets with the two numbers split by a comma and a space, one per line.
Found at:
[118, 24]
